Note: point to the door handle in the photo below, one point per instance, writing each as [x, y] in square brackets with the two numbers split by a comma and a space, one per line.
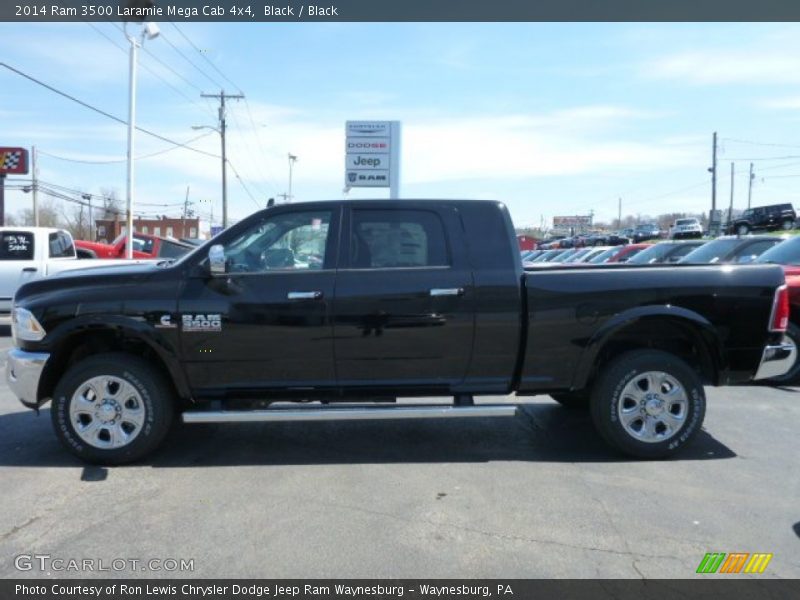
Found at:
[30, 270]
[315, 295]
[435, 292]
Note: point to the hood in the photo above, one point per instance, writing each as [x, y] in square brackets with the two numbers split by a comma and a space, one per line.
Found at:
[113, 281]
[110, 267]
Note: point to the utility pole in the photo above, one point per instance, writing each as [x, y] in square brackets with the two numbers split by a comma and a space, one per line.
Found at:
[284, 196]
[750, 186]
[222, 96]
[713, 171]
[292, 160]
[185, 209]
[619, 213]
[34, 188]
[730, 209]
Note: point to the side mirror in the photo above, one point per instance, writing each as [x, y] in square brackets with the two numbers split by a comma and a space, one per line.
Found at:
[216, 260]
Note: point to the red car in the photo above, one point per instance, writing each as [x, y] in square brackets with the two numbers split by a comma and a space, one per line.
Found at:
[619, 254]
[787, 254]
[144, 246]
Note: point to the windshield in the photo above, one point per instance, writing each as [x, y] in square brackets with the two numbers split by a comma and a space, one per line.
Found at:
[711, 252]
[785, 253]
[685, 221]
[653, 254]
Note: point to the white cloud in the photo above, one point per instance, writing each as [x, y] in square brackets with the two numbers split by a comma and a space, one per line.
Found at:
[785, 103]
[728, 66]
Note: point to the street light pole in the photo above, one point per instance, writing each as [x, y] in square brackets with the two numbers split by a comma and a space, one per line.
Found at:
[151, 31]
[292, 160]
[131, 131]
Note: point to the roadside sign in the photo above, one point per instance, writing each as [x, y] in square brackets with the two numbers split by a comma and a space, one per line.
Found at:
[372, 155]
[13, 161]
[215, 229]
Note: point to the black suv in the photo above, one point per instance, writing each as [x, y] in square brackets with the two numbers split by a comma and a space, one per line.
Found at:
[774, 216]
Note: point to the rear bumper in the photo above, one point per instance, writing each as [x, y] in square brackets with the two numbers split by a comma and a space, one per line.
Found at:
[23, 371]
[776, 360]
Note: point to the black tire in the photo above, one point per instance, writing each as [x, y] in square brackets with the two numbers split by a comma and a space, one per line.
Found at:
[793, 374]
[573, 400]
[155, 398]
[617, 376]
[742, 229]
[787, 224]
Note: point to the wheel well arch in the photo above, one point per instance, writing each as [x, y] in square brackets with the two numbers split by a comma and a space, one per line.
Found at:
[692, 340]
[86, 342]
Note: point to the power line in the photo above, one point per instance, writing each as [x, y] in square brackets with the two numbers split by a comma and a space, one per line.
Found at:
[744, 159]
[257, 131]
[250, 154]
[147, 67]
[119, 160]
[102, 112]
[752, 143]
[202, 54]
[187, 59]
[241, 181]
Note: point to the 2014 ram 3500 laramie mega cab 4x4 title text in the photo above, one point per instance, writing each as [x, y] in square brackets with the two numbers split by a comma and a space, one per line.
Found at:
[354, 303]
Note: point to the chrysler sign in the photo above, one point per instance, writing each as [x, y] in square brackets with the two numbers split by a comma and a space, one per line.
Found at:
[372, 154]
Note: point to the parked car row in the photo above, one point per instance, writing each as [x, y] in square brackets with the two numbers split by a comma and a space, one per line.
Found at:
[770, 249]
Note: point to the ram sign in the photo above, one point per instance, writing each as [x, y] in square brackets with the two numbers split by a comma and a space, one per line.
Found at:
[372, 154]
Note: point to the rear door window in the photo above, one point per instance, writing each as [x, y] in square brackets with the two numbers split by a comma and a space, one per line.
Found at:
[16, 245]
[395, 239]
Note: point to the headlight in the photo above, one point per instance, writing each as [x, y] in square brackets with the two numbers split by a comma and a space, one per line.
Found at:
[24, 325]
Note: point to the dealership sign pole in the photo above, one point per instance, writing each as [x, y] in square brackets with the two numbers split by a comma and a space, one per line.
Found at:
[372, 155]
[13, 161]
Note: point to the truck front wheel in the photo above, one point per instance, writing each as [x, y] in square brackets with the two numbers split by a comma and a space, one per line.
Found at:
[112, 409]
[648, 404]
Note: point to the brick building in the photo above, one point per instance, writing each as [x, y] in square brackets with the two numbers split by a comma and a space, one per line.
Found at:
[109, 229]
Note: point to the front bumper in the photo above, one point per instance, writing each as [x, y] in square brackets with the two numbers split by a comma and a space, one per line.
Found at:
[776, 360]
[23, 371]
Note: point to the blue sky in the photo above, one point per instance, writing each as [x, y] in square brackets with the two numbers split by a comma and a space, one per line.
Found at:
[551, 118]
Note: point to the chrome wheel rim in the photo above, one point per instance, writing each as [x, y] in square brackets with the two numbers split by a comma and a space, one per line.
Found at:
[653, 407]
[107, 412]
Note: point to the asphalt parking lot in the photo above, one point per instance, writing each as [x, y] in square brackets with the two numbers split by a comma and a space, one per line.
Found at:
[539, 495]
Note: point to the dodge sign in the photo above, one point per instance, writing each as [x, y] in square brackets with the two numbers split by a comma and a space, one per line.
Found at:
[372, 154]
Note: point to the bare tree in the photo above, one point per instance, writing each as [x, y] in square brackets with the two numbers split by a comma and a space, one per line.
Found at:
[49, 215]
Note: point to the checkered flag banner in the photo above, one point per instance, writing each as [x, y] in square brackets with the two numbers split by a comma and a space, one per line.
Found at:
[13, 161]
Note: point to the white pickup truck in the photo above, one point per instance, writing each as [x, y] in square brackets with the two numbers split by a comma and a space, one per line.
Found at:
[28, 253]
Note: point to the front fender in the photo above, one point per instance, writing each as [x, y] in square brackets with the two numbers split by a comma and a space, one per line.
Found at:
[700, 327]
[68, 333]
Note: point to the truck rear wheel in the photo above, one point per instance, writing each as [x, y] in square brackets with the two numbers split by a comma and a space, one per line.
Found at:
[112, 409]
[648, 404]
[793, 374]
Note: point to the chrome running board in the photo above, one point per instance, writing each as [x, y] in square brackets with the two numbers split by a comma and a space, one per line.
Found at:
[350, 414]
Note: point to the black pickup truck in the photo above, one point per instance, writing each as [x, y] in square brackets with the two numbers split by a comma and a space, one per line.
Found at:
[343, 306]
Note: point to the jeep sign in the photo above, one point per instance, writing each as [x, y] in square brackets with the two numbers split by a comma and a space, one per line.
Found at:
[372, 155]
